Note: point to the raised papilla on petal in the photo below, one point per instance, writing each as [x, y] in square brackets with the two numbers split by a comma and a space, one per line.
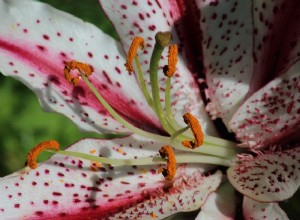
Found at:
[272, 114]
[253, 210]
[227, 43]
[268, 177]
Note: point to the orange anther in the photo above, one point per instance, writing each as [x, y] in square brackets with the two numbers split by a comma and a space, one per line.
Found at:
[170, 171]
[195, 126]
[170, 69]
[137, 42]
[81, 67]
[33, 154]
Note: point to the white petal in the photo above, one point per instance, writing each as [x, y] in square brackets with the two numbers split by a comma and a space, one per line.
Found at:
[227, 53]
[253, 210]
[272, 114]
[34, 47]
[219, 204]
[269, 177]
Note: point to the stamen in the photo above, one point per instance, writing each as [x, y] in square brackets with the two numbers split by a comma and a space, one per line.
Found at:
[82, 67]
[137, 42]
[33, 154]
[195, 126]
[170, 172]
[170, 69]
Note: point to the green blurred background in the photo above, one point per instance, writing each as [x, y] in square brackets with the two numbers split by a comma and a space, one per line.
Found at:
[23, 124]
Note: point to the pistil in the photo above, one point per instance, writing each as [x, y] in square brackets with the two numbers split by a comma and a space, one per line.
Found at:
[162, 40]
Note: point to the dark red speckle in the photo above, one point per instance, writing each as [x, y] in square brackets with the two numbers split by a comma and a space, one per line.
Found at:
[141, 16]
[46, 37]
[56, 194]
[60, 174]
[118, 70]
[90, 54]
[39, 213]
[76, 200]
[152, 27]
[41, 48]
[63, 54]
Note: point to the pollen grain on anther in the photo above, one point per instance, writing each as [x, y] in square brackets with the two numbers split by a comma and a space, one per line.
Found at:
[137, 42]
[170, 69]
[196, 129]
[33, 154]
[170, 171]
[75, 65]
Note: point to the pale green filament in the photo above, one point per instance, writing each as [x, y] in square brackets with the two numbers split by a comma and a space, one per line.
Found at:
[180, 158]
[208, 149]
[179, 132]
[119, 118]
[221, 152]
[142, 82]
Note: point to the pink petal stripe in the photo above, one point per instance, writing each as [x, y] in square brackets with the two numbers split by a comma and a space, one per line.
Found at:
[272, 114]
[253, 210]
[276, 44]
[227, 57]
[66, 187]
[269, 177]
[36, 48]
[145, 19]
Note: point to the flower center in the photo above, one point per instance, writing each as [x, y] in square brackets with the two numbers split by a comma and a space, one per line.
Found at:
[213, 150]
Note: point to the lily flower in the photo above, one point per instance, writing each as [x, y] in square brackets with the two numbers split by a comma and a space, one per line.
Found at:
[252, 74]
